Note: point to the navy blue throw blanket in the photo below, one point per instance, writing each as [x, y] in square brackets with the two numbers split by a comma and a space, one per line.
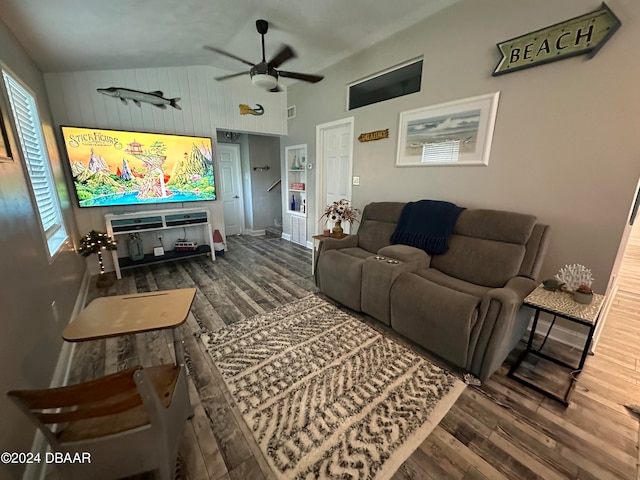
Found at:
[427, 225]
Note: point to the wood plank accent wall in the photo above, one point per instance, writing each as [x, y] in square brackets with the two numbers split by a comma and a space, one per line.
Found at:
[207, 106]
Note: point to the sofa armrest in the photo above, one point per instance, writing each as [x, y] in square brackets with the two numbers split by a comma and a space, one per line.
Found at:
[405, 253]
[499, 327]
[519, 286]
[330, 243]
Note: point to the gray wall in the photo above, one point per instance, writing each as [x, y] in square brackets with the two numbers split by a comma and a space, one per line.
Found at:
[245, 161]
[260, 207]
[265, 151]
[31, 339]
[565, 142]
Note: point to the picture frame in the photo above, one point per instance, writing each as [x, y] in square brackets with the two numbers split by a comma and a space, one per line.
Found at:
[5, 146]
[456, 133]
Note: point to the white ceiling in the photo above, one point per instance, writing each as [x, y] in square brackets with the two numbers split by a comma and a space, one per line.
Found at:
[76, 35]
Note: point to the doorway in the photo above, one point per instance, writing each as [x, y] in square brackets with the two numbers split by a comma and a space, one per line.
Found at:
[626, 264]
[334, 164]
[231, 192]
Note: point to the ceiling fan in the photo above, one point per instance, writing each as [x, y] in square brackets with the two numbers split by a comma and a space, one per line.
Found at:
[265, 74]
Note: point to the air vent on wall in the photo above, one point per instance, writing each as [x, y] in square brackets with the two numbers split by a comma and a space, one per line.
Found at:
[291, 112]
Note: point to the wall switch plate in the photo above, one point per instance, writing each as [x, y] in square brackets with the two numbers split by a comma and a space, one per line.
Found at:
[356, 180]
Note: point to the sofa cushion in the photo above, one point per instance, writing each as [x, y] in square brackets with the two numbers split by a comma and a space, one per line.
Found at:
[356, 252]
[536, 250]
[404, 253]
[427, 224]
[436, 276]
[379, 221]
[438, 318]
[373, 235]
[498, 225]
[483, 262]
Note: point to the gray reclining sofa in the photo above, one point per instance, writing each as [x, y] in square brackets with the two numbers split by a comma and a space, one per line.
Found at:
[462, 305]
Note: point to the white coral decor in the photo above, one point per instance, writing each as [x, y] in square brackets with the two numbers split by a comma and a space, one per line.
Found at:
[572, 276]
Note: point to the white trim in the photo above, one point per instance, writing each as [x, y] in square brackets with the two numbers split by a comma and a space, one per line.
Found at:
[612, 287]
[566, 336]
[320, 180]
[255, 233]
[608, 303]
[52, 244]
[387, 70]
[38, 471]
[295, 213]
[286, 236]
[309, 245]
[239, 180]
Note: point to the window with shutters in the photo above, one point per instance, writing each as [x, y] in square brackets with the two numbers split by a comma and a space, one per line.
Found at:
[34, 154]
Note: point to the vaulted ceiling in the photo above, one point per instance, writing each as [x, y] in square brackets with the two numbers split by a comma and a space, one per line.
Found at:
[76, 35]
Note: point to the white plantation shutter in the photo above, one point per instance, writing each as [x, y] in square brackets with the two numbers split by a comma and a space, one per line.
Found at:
[27, 121]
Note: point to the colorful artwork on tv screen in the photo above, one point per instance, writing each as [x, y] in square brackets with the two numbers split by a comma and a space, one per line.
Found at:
[111, 167]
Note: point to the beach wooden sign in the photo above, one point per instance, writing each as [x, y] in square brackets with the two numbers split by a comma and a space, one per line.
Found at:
[580, 35]
[371, 136]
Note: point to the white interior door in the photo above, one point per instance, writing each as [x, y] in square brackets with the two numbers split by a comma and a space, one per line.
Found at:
[231, 193]
[334, 163]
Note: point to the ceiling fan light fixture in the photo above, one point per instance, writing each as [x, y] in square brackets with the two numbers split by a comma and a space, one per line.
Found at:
[265, 74]
[265, 81]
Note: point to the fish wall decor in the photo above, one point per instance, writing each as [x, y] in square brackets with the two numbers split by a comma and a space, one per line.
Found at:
[247, 110]
[136, 96]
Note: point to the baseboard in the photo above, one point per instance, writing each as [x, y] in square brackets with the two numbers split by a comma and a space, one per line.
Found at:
[604, 313]
[256, 233]
[571, 338]
[37, 471]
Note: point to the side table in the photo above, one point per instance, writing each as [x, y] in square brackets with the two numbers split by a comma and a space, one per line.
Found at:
[559, 304]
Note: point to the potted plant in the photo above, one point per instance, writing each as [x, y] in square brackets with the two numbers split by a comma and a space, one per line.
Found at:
[583, 294]
[95, 242]
[337, 212]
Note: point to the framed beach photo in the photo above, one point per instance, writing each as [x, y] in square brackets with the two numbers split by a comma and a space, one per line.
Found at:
[452, 133]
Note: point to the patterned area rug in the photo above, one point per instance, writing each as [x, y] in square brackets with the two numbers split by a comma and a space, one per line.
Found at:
[327, 396]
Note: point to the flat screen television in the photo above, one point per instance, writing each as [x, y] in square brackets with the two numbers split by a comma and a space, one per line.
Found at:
[113, 167]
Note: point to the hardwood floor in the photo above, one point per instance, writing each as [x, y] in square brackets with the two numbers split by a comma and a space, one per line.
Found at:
[501, 430]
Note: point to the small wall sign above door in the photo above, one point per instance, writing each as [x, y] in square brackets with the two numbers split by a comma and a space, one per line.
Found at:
[584, 34]
[371, 136]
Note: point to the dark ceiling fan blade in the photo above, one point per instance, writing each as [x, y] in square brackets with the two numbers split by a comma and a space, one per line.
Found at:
[222, 52]
[226, 77]
[285, 53]
[301, 76]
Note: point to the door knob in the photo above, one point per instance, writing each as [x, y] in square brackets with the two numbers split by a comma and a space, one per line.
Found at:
[236, 196]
